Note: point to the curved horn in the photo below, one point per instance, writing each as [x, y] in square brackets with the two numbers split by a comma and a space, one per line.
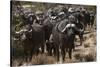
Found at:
[18, 32]
[53, 17]
[30, 30]
[68, 25]
[82, 27]
[15, 28]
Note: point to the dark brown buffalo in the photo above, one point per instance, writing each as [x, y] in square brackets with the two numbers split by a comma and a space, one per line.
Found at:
[63, 37]
[32, 38]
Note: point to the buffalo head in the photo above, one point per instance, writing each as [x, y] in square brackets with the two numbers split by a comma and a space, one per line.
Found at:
[24, 34]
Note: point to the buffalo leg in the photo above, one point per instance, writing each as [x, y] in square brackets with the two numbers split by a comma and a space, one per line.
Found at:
[54, 51]
[42, 47]
[57, 53]
[63, 53]
[81, 38]
[25, 56]
[70, 53]
[50, 51]
[31, 54]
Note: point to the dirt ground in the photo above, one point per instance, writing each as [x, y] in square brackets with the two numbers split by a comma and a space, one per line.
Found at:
[84, 53]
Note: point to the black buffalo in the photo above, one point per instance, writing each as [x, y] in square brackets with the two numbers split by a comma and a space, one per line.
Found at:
[92, 18]
[31, 38]
[80, 23]
[63, 37]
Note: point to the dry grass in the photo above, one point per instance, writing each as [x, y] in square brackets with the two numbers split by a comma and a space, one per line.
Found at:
[42, 59]
[77, 56]
[86, 45]
[89, 56]
[87, 52]
[84, 53]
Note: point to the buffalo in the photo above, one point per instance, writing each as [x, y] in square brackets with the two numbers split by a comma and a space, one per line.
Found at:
[63, 37]
[92, 18]
[31, 38]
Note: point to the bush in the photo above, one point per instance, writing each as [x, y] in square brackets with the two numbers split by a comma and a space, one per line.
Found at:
[86, 45]
[77, 56]
[88, 57]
